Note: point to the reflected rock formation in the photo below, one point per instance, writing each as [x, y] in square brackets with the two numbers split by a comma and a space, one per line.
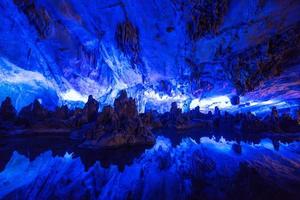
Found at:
[208, 169]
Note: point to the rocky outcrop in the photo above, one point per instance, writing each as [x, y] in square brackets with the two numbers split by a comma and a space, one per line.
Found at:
[242, 123]
[61, 113]
[33, 112]
[85, 115]
[7, 110]
[119, 126]
[151, 119]
[174, 118]
[111, 128]
[288, 125]
[36, 118]
[90, 109]
[122, 125]
[249, 123]
[235, 100]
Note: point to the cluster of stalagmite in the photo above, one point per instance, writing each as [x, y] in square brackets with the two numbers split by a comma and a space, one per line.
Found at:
[122, 125]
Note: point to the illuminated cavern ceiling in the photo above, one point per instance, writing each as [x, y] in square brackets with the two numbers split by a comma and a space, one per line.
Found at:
[195, 52]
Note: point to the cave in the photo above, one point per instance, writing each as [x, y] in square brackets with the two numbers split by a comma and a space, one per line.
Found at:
[148, 99]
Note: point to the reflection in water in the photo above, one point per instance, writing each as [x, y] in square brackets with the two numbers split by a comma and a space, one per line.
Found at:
[208, 168]
[33, 146]
[176, 136]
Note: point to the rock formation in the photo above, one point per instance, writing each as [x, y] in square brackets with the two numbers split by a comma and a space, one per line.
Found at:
[179, 49]
[90, 109]
[33, 112]
[235, 100]
[122, 125]
[7, 110]
[61, 113]
[119, 126]
[175, 118]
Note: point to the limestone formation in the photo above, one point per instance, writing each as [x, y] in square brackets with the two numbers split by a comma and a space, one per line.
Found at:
[90, 109]
[7, 110]
[34, 112]
[119, 126]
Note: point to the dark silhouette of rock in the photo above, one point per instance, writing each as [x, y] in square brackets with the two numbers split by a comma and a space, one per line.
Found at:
[217, 112]
[39, 119]
[273, 121]
[91, 109]
[175, 118]
[216, 117]
[34, 112]
[175, 111]
[195, 113]
[7, 110]
[119, 126]
[235, 100]
[151, 119]
[209, 114]
[124, 106]
[107, 121]
[147, 118]
[288, 124]
[122, 125]
[251, 124]
[77, 118]
[87, 114]
[61, 113]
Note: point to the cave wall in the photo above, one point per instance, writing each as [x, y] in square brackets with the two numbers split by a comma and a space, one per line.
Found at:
[160, 51]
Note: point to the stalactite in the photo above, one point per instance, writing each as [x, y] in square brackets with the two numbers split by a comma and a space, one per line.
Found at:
[39, 17]
[249, 68]
[127, 37]
[206, 17]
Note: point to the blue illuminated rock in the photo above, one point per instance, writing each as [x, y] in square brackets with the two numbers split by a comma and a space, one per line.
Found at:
[63, 51]
[207, 167]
